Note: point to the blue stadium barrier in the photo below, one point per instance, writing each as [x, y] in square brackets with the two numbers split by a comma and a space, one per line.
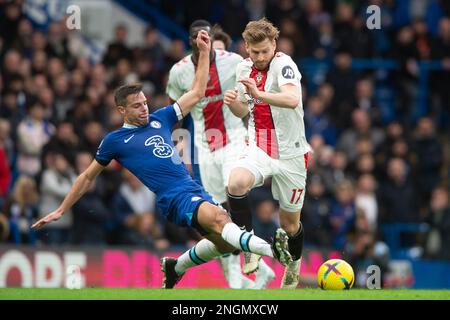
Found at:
[431, 274]
[393, 232]
[316, 70]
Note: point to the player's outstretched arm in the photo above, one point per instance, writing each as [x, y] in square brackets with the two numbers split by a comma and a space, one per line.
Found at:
[288, 97]
[237, 107]
[79, 188]
[197, 92]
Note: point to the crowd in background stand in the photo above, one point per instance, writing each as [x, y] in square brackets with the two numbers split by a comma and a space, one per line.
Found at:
[56, 106]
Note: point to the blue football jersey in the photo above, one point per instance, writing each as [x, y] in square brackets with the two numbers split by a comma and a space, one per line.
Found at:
[149, 153]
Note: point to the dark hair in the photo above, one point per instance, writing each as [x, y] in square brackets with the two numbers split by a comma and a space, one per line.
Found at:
[121, 93]
[199, 23]
[220, 35]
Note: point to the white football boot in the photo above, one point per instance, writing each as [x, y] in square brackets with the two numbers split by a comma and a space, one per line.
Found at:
[264, 275]
[291, 275]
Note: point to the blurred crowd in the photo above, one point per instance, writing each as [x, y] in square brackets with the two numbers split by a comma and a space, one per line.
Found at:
[56, 106]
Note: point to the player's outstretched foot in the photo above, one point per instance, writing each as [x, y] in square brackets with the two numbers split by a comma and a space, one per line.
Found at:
[263, 277]
[170, 278]
[291, 275]
[250, 262]
[280, 247]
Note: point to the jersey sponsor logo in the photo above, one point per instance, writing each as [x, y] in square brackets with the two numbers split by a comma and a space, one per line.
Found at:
[128, 139]
[161, 149]
[155, 124]
[287, 72]
[193, 199]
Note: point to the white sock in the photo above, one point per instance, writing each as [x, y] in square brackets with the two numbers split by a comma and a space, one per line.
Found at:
[245, 241]
[202, 252]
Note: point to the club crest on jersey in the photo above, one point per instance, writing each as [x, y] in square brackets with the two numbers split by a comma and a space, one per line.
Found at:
[155, 124]
[259, 77]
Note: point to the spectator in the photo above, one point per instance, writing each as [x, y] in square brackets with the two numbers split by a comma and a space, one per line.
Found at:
[5, 175]
[90, 215]
[4, 228]
[362, 127]
[336, 172]
[65, 141]
[440, 80]
[315, 212]
[343, 213]
[429, 155]
[93, 135]
[364, 99]
[366, 200]
[438, 219]
[265, 225]
[21, 210]
[118, 48]
[55, 184]
[33, 133]
[343, 79]
[317, 121]
[6, 141]
[398, 197]
[134, 213]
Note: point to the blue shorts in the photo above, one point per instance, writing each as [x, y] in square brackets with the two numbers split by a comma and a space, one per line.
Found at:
[185, 204]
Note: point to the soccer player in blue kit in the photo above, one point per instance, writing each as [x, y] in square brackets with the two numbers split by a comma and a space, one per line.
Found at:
[144, 146]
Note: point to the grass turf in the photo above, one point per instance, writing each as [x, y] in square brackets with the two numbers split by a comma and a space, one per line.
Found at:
[219, 294]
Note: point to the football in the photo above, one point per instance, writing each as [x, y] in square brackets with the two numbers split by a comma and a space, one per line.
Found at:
[335, 274]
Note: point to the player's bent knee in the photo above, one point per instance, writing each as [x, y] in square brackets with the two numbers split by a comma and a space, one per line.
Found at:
[239, 182]
[221, 219]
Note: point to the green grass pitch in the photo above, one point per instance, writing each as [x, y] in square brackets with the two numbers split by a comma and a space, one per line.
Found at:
[219, 294]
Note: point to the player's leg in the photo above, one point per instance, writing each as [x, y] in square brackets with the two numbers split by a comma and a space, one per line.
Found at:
[223, 236]
[214, 174]
[173, 269]
[248, 173]
[288, 187]
[215, 220]
[290, 222]
[239, 183]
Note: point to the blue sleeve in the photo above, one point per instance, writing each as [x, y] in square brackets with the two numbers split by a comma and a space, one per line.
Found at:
[105, 152]
[169, 114]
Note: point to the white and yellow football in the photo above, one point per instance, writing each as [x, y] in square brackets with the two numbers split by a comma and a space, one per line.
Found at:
[335, 274]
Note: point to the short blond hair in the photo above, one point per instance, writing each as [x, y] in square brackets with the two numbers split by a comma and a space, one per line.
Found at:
[257, 31]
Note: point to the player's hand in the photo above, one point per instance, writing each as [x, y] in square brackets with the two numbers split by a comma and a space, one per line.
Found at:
[251, 87]
[203, 41]
[230, 97]
[53, 216]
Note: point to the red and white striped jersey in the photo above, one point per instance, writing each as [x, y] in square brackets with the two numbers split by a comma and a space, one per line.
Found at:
[214, 124]
[280, 132]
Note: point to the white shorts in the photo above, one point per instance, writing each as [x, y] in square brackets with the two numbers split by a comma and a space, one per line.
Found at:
[288, 176]
[215, 168]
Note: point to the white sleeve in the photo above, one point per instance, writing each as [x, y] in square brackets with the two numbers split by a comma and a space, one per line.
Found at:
[287, 72]
[173, 90]
[178, 111]
[240, 73]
